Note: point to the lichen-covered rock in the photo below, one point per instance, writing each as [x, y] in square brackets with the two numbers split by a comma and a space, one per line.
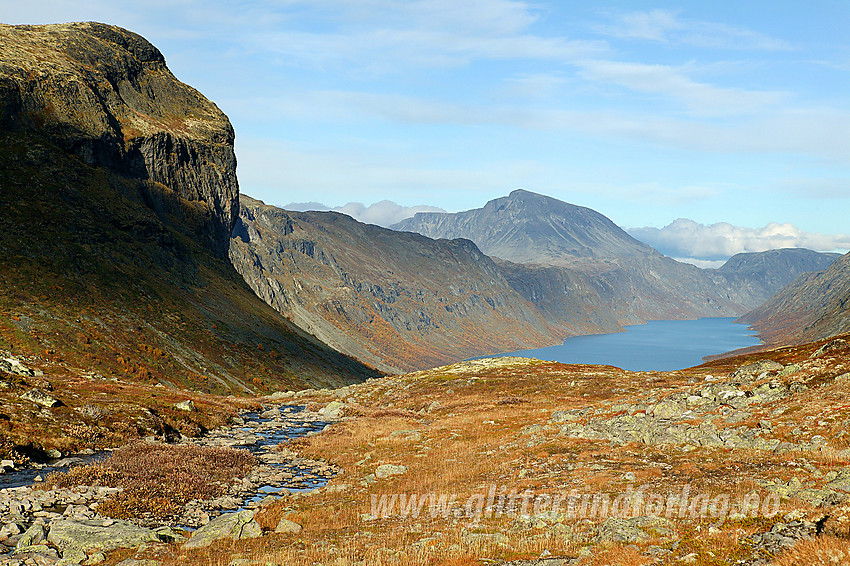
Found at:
[332, 410]
[287, 526]
[40, 398]
[235, 526]
[87, 535]
[387, 470]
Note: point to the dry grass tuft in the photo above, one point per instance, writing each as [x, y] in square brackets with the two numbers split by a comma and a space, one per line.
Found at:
[820, 551]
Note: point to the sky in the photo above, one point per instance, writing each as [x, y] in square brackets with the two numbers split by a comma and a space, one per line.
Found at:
[705, 128]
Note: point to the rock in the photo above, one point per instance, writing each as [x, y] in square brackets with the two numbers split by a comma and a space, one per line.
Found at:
[188, 405]
[73, 556]
[287, 526]
[33, 535]
[333, 410]
[89, 535]
[15, 367]
[486, 538]
[36, 550]
[53, 454]
[831, 346]
[757, 368]
[40, 398]
[7, 464]
[235, 526]
[635, 529]
[387, 470]
[668, 410]
[563, 417]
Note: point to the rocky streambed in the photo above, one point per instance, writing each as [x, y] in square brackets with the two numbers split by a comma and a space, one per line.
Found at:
[62, 526]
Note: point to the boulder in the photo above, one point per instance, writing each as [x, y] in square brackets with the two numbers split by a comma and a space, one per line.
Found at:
[387, 470]
[89, 535]
[635, 529]
[15, 367]
[41, 398]
[33, 535]
[287, 526]
[234, 526]
[188, 405]
[333, 410]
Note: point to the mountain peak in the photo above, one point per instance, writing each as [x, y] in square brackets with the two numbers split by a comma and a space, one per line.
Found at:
[527, 227]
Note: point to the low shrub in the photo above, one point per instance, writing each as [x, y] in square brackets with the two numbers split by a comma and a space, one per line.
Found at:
[158, 479]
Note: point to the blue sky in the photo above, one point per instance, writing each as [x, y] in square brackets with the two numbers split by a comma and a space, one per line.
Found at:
[717, 112]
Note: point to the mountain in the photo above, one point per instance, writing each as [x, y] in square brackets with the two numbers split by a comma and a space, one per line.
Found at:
[763, 274]
[396, 300]
[404, 301]
[813, 307]
[119, 193]
[542, 236]
[530, 228]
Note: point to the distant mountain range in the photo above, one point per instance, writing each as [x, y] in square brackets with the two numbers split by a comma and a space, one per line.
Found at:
[401, 301]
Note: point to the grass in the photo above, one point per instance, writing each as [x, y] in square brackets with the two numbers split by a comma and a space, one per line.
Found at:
[820, 551]
[157, 479]
[475, 438]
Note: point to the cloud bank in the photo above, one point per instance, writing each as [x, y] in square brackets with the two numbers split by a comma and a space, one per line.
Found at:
[710, 245]
[384, 213]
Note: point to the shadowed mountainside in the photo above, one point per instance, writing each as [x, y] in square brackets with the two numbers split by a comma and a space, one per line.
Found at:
[396, 300]
[118, 195]
[763, 274]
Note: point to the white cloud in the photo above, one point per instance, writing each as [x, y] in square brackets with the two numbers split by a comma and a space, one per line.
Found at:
[668, 27]
[384, 213]
[673, 82]
[685, 238]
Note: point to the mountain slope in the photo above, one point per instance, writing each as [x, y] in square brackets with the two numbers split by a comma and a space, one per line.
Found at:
[813, 307]
[396, 300]
[526, 227]
[636, 282]
[119, 192]
[763, 274]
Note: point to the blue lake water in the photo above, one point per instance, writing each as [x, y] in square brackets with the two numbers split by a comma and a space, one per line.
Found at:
[663, 345]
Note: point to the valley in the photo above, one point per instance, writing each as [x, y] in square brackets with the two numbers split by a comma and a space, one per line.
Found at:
[262, 386]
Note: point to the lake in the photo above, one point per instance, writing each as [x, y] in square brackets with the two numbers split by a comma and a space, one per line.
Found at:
[662, 345]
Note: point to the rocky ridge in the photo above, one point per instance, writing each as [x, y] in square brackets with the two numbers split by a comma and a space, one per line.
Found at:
[119, 195]
[396, 301]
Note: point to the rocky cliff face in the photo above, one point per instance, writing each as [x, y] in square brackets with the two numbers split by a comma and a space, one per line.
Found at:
[118, 192]
[813, 307]
[105, 95]
[399, 301]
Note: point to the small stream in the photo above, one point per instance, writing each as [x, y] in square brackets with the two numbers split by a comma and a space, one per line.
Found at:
[265, 430]
[303, 477]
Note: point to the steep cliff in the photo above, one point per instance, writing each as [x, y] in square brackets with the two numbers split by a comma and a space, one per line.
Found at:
[118, 196]
[813, 307]
[105, 95]
[396, 300]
